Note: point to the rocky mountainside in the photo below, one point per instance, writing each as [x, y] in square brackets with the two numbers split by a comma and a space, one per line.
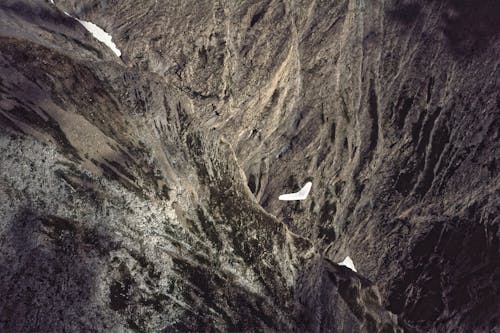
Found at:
[139, 190]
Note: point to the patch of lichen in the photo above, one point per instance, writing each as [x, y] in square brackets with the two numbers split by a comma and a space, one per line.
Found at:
[63, 231]
[208, 284]
[240, 309]
[209, 228]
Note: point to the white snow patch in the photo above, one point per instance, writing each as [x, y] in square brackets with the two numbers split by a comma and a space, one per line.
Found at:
[98, 33]
[348, 263]
[300, 195]
[101, 36]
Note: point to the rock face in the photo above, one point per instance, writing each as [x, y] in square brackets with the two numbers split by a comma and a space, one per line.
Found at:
[140, 193]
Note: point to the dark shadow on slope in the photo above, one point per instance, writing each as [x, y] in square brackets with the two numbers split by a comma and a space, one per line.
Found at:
[469, 26]
[47, 281]
[454, 268]
[405, 13]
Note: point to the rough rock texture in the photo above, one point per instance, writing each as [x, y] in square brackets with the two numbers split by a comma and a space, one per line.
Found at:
[140, 193]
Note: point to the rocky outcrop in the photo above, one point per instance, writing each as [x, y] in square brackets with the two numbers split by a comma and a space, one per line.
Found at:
[140, 193]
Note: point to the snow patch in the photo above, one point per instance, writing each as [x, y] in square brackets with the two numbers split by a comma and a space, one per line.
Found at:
[348, 263]
[98, 33]
[300, 195]
[101, 36]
